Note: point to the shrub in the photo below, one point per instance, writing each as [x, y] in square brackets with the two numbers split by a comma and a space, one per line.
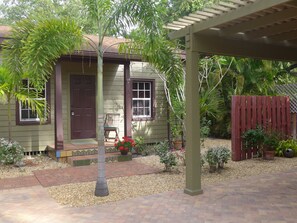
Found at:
[181, 155]
[10, 152]
[223, 155]
[166, 156]
[140, 146]
[217, 156]
[210, 156]
[253, 138]
[286, 144]
[271, 140]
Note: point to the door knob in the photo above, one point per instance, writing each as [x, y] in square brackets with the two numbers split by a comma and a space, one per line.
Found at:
[72, 113]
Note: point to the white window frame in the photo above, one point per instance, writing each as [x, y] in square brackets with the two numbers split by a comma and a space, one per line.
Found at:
[144, 98]
[29, 88]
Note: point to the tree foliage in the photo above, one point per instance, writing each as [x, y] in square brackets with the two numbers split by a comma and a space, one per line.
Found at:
[36, 44]
[10, 88]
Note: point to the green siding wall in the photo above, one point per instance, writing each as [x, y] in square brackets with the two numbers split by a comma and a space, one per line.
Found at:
[37, 137]
[156, 130]
[32, 137]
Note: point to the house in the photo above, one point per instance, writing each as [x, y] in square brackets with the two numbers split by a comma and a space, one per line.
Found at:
[131, 88]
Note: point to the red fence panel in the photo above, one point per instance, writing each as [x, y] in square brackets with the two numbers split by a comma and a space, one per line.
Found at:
[272, 113]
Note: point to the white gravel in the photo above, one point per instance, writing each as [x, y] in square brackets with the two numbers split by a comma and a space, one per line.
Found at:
[31, 164]
[82, 194]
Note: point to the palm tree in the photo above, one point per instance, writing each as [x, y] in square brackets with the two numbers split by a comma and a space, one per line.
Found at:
[31, 52]
[109, 17]
[10, 91]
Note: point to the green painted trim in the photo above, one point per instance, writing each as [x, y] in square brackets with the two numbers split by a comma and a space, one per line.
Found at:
[193, 192]
[124, 158]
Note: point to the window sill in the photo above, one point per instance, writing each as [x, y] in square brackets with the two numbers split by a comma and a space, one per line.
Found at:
[21, 123]
[143, 119]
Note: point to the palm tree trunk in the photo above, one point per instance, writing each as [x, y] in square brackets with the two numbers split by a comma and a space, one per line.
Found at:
[9, 116]
[101, 184]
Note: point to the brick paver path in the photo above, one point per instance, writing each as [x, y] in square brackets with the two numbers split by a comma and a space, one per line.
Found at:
[55, 177]
[9, 183]
[263, 199]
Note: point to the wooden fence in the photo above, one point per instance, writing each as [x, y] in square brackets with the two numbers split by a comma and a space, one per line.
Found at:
[250, 111]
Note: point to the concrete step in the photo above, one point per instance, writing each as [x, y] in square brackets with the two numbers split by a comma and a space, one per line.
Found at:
[65, 154]
[86, 160]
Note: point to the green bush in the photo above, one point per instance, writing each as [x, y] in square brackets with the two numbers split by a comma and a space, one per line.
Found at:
[271, 140]
[253, 138]
[140, 146]
[217, 156]
[10, 152]
[210, 156]
[166, 155]
[223, 155]
[286, 144]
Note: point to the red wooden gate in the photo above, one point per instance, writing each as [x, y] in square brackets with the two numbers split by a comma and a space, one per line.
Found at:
[250, 111]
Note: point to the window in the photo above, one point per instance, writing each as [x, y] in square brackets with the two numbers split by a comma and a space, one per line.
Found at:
[25, 115]
[142, 99]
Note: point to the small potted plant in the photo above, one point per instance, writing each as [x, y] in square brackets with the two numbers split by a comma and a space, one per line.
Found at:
[125, 145]
[270, 143]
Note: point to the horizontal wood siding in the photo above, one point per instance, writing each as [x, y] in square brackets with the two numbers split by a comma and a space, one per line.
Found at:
[113, 90]
[68, 69]
[155, 130]
[32, 137]
[37, 137]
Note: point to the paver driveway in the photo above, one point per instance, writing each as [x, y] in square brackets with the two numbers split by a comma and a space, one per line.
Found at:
[268, 198]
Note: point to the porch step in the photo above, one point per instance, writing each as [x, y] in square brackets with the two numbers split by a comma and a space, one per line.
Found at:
[86, 160]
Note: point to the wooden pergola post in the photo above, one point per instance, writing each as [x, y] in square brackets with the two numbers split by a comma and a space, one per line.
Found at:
[193, 157]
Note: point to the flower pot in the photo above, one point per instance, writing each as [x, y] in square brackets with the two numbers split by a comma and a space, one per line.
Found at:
[268, 155]
[124, 152]
[221, 165]
[177, 144]
[212, 168]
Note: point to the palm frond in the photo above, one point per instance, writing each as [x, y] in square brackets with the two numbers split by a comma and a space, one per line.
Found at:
[36, 44]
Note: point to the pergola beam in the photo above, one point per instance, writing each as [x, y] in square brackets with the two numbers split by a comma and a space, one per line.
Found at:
[235, 14]
[272, 30]
[244, 9]
[285, 36]
[216, 45]
[262, 21]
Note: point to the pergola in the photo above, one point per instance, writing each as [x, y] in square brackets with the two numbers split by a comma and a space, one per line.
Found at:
[263, 29]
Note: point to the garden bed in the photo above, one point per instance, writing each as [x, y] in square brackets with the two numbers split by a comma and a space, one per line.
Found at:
[31, 164]
[82, 194]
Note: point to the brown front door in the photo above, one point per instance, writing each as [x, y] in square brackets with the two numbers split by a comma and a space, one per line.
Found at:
[82, 102]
